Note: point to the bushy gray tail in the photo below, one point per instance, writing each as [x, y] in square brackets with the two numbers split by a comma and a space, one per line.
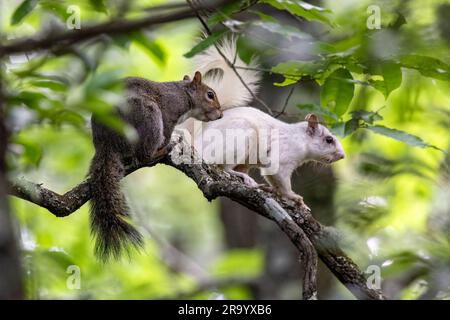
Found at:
[113, 234]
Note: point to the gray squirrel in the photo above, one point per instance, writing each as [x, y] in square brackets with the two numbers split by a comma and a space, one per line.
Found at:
[288, 145]
[152, 109]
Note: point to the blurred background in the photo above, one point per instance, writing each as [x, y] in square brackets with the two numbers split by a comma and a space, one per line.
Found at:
[389, 198]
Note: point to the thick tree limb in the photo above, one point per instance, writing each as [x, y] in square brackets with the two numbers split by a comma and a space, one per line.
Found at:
[63, 39]
[302, 229]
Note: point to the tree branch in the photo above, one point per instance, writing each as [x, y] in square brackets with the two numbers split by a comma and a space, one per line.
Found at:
[63, 39]
[307, 234]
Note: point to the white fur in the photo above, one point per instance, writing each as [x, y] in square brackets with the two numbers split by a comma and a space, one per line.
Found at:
[230, 91]
[294, 146]
[229, 88]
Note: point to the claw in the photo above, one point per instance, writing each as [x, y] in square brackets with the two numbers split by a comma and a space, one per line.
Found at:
[299, 200]
[266, 187]
[306, 208]
[163, 151]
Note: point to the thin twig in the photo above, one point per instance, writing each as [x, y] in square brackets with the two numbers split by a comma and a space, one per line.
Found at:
[230, 64]
[285, 102]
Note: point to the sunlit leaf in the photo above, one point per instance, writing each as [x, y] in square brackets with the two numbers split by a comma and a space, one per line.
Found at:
[392, 75]
[99, 6]
[302, 9]
[150, 46]
[428, 66]
[224, 13]
[56, 7]
[294, 70]
[338, 128]
[242, 263]
[399, 135]
[366, 116]
[23, 10]
[31, 153]
[282, 29]
[50, 84]
[337, 91]
[29, 98]
[318, 110]
[205, 43]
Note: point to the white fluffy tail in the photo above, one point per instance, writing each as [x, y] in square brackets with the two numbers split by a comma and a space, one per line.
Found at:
[220, 76]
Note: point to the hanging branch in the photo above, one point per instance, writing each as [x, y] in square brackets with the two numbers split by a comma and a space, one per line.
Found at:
[286, 102]
[63, 39]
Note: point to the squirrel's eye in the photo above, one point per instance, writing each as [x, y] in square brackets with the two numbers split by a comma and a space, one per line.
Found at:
[210, 95]
[329, 139]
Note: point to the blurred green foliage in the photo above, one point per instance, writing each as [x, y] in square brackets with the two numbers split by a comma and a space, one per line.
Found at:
[384, 91]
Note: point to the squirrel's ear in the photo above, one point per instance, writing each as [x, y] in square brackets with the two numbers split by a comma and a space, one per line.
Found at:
[186, 78]
[197, 78]
[313, 123]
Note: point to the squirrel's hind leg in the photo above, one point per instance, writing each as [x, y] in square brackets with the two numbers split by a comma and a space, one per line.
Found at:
[150, 129]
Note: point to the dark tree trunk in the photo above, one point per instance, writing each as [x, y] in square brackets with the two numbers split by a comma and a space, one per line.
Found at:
[10, 269]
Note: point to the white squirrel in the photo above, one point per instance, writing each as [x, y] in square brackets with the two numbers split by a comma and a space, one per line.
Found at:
[275, 147]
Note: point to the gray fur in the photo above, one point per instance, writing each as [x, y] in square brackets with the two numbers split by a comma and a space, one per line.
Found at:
[153, 109]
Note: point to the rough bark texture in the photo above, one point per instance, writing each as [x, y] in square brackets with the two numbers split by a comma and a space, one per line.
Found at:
[300, 226]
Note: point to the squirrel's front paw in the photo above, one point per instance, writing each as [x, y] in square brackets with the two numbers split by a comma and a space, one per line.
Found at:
[163, 151]
[298, 199]
[266, 187]
[250, 182]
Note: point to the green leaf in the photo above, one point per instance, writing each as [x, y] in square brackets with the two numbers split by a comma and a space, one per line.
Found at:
[427, 66]
[360, 119]
[400, 136]
[398, 22]
[224, 13]
[56, 7]
[294, 70]
[205, 43]
[22, 11]
[31, 154]
[153, 49]
[351, 126]
[263, 16]
[338, 90]
[122, 41]
[31, 99]
[284, 30]
[107, 80]
[302, 9]
[98, 6]
[392, 75]
[338, 128]
[50, 84]
[403, 261]
[366, 116]
[240, 263]
[320, 111]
